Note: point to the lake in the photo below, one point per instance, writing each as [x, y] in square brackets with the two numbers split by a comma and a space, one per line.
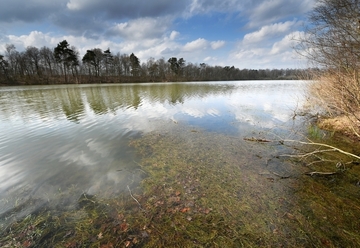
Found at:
[170, 146]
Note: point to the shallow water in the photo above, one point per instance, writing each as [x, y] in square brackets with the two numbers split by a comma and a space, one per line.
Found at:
[60, 142]
[52, 137]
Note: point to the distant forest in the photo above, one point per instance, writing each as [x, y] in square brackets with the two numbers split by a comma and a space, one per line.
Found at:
[63, 65]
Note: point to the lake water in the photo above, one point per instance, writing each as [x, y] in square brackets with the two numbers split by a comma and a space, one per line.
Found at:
[55, 136]
[59, 142]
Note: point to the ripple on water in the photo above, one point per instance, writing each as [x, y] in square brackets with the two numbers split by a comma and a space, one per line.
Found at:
[53, 137]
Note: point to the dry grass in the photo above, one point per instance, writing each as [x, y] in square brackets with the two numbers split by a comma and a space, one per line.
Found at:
[343, 124]
[338, 94]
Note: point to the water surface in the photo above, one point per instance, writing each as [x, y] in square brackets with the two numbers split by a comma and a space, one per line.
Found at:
[58, 143]
[52, 137]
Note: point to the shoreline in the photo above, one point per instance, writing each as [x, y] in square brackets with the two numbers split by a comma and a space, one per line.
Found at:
[342, 125]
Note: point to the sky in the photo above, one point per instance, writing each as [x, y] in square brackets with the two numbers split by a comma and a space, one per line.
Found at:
[251, 34]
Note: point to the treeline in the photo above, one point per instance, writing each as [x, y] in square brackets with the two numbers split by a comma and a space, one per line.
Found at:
[64, 65]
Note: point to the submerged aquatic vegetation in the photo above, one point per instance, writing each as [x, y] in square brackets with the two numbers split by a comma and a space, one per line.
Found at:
[206, 190]
[250, 195]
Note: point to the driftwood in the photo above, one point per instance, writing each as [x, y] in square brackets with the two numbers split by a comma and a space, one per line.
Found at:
[318, 173]
[134, 197]
[256, 139]
[331, 148]
[328, 148]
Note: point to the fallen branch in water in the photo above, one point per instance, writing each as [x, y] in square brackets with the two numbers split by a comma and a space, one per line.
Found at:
[134, 197]
[256, 139]
[318, 173]
[307, 154]
[332, 148]
[325, 148]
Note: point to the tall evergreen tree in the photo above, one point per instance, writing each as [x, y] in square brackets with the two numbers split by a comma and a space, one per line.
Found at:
[65, 56]
[135, 65]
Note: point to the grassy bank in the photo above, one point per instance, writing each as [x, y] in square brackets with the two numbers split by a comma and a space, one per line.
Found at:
[335, 93]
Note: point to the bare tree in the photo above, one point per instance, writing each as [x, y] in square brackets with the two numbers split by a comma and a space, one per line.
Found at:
[117, 65]
[32, 58]
[332, 43]
[12, 57]
[47, 60]
[108, 61]
[3, 69]
[332, 38]
[125, 63]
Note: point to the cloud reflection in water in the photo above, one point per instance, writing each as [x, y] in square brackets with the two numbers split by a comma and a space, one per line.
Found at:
[52, 137]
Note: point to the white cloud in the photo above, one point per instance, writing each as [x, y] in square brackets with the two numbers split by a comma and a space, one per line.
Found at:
[245, 54]
[286, 43]
[279, 55]
[143, 48]
[75, 4]
[141, 28]
[151, 28]
[35, 38]
[206, 6]
[118, 10]
[269, 47]
[269, 11]
[265, 52]
[217, 44]
[195, 45]
[174, 35]
[39, 39]
[269, 31]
